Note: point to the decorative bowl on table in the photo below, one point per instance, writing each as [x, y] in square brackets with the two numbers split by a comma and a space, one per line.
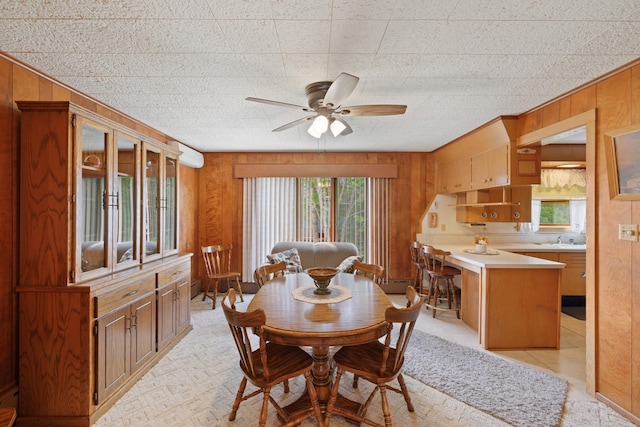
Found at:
[322, 278]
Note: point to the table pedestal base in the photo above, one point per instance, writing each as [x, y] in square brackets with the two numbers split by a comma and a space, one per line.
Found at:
[321, 374]
[302, 407]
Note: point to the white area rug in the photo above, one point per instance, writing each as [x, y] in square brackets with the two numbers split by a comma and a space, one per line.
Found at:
[511, 392]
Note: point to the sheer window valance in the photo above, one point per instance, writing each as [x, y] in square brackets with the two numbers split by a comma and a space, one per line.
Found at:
[563, 178]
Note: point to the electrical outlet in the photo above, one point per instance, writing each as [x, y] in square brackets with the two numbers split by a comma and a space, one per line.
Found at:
[628, 232]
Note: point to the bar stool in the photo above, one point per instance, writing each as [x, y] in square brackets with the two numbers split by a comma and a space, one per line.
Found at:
[416, 259]
[441, 285]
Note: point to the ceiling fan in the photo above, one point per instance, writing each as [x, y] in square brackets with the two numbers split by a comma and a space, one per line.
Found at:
[325, 100]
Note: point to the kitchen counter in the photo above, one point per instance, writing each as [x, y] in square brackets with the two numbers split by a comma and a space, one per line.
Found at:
[503, 258]
[512, 300]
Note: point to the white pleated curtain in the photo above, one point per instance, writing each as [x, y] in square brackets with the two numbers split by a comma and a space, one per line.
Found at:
[269, 216]
[378, 222]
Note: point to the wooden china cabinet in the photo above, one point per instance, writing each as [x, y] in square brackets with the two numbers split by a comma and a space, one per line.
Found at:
[103, 291]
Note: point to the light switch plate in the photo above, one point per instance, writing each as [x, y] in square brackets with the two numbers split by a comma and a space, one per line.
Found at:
[628, 232]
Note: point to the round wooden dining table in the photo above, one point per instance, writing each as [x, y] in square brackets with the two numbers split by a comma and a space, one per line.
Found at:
[290, 321]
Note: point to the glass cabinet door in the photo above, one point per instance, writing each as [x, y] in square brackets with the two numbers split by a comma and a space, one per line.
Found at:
[170, 241]
[92, 142]
[152, 194]
[124, 198]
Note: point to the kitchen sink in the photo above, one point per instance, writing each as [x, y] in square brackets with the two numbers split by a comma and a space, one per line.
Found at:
[562, 245]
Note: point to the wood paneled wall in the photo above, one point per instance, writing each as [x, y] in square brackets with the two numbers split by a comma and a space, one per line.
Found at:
[615, 353]
[221, 197]
[19, 82]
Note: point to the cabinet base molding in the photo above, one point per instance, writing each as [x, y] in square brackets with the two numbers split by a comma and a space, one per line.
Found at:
[635, 419]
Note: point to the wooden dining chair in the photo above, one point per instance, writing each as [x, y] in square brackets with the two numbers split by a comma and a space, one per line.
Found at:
[378, 362]
[441, 281]
[373, 271]
[266, 364]
[217, 261]
[266, 272]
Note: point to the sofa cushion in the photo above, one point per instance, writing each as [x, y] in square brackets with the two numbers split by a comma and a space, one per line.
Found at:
[346, 266]
[290, 257]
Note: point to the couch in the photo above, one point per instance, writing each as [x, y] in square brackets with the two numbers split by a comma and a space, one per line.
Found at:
[319, 254]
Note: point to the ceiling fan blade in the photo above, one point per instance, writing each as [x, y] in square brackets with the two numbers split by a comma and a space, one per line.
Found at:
[277, 103]
[293, 123]
[373, 110]
[340, 90]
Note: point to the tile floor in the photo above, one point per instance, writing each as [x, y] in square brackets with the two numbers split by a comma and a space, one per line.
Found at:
[195, 383]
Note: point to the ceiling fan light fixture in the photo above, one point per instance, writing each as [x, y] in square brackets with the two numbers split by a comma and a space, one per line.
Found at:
[320, 124]
[336, 126]
[314, 132]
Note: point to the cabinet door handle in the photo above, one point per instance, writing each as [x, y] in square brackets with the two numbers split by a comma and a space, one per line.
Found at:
[583, 274]
[130, 293]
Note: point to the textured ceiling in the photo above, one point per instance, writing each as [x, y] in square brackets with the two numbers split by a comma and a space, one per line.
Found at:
[185, 67]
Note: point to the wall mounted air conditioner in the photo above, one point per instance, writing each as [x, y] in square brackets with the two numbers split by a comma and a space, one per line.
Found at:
[189, 156]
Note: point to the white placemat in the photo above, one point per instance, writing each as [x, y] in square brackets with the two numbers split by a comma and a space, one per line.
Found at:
[338, 294]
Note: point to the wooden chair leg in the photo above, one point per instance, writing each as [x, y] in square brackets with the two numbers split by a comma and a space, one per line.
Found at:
[265, 408]
[332, 397]
[206, 290]
[385, 405]
[239, 288]
[452, 290]
[405, 393]
[418, 280]
[236, 403]
[215, 294]
[436, 295]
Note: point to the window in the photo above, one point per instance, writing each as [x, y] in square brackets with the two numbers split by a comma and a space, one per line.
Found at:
[560, 200]
[333, 210]
[555, 212]
[341, 209]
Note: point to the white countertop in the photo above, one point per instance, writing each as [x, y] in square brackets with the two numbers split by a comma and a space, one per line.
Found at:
[503, 259]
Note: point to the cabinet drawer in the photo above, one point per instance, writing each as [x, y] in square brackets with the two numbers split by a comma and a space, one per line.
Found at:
[574, 259]
[124, 294]
[171, 274]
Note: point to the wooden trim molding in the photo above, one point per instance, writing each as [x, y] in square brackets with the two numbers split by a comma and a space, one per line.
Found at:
[257, 170]
[576, 121]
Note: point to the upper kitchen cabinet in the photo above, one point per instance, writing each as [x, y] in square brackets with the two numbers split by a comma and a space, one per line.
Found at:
[81, 191]
[455, 176]
[490, 168]
[492, 156]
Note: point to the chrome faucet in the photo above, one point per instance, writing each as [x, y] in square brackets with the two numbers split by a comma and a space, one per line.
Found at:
[559, 239]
